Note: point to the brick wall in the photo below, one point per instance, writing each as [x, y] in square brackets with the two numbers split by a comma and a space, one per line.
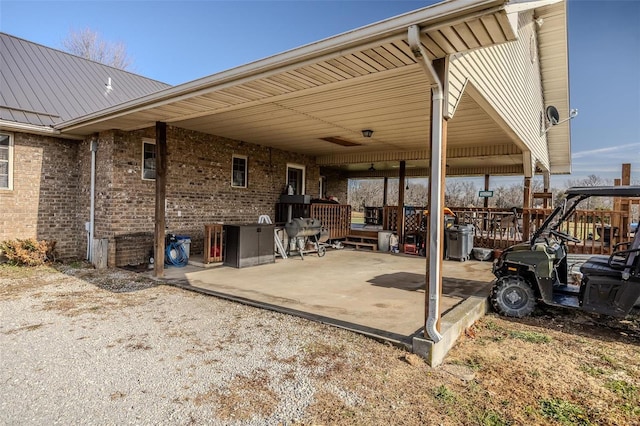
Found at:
[198, 188]
[336, 184]
[51, 195]
[43, 202]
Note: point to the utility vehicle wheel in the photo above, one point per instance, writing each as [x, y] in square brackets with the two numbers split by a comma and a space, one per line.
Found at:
[512, 296]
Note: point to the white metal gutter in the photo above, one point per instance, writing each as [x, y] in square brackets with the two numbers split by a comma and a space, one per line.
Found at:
[436, 207]
[515, 6]
[30, 128]
[14, 126]
[333, 46]
[92, 202]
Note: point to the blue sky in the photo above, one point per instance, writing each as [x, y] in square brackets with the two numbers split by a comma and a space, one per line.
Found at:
[176, 42]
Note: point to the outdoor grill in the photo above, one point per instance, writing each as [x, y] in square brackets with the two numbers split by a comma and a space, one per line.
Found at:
[301, 231]
[303, 227]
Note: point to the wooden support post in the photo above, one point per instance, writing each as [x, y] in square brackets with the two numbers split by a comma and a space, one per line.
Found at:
[486, 188]
[546, 183]
[384, 191]
[161, 192]
[625, 203]
[401, 219]
[526, 204]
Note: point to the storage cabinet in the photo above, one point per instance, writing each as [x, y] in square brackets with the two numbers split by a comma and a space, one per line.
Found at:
[248, 244]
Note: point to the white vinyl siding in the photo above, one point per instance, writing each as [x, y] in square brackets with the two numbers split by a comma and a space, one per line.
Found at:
[509, 80]
[6, 161]
[552, 37]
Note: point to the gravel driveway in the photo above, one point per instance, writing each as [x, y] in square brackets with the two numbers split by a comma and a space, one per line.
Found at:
[87, 347]
[118, 349]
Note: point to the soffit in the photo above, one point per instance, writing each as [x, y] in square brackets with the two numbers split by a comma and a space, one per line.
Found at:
[554, 68]
[375, 85]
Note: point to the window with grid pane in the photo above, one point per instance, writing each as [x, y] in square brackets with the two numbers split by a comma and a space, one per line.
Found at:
[239, 172]
[148, 160]
[6, 145]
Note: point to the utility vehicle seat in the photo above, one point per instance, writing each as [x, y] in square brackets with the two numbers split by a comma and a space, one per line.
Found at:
[619, 265]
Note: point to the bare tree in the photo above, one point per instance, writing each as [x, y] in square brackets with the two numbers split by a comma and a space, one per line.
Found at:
[88, 44]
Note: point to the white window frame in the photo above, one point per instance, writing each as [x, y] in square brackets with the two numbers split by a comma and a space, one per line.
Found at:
[304, 175]
[142, 169]
[322, 186]
[9, 186]
[246, 170]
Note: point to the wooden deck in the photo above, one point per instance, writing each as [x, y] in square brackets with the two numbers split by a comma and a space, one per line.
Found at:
[362, 239]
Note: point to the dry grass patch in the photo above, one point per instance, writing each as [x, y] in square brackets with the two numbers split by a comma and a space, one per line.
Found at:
[503, 372]
[16, 281]
[31, 327]
[244, 398]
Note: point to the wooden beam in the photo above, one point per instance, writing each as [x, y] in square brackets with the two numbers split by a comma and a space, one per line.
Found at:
[526, 204]
[384, 191]
[486, 188]
[161, 193]
[546, 183]
[625, 203]
[401, 183]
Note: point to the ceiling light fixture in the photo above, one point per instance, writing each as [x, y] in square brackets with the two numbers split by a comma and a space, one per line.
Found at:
[372, 169]
[367, 133]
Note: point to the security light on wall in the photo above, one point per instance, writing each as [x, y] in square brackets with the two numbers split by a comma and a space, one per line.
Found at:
[371, 168]
[553, 117]
[367, 133]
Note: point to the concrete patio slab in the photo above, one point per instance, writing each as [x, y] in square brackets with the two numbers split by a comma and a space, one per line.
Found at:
[378, 294]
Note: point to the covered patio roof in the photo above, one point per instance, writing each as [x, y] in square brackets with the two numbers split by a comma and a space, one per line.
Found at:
[317, 99]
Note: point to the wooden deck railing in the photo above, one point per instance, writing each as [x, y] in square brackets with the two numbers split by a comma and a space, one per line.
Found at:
[598, 230]
[335, 218]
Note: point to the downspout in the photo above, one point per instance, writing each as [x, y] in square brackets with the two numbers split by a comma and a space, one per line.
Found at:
[92, 209]
[435, 202]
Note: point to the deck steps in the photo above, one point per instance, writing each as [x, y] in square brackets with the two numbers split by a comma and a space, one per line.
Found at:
[362, 240]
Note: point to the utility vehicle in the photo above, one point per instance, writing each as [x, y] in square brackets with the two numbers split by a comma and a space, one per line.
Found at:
[537, 270]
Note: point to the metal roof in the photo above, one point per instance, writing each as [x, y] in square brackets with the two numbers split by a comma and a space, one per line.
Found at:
[316, 99]
[42, 86]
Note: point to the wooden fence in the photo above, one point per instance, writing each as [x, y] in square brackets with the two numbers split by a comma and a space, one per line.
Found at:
[335, 218]
[598, 230]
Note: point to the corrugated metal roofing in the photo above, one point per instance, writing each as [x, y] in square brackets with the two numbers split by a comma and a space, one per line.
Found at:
[44, 86]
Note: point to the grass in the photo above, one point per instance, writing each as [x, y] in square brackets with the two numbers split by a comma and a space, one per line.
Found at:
[491, 418]
[357, 217]
[563, 412]
[530, 336]
[444, 394]
[592, 371]
[622, 388]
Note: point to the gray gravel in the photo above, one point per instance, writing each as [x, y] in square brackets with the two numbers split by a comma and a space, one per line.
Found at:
[88, 349]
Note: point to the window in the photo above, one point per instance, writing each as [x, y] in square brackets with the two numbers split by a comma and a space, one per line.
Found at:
[239, 171]
[295, 178]
[322, 187]
[148, 160]
[6, 161]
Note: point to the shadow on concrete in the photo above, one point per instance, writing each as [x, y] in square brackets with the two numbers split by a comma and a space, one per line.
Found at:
[401, 280]
[416, 282]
